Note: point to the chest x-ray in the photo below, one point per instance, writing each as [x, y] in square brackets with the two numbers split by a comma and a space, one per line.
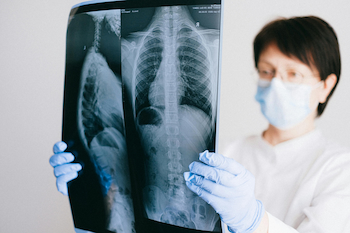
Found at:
[94, 121]
[141, 102]
[170, 69]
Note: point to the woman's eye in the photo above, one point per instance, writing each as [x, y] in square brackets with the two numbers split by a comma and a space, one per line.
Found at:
[265, 73]
[294, 76]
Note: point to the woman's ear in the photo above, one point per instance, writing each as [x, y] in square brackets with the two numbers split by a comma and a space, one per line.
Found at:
[328, 85]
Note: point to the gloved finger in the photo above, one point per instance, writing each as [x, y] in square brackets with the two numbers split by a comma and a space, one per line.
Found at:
[66, 168]
[208, 185]
[62, 181]
[61, 158]
[216, 175]
[221, 162]
[59, 147]
[211, 199]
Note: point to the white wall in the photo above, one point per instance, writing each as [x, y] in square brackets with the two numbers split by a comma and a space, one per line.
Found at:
[32, 62]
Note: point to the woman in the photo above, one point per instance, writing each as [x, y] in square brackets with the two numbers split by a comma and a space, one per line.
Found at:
[289, 179]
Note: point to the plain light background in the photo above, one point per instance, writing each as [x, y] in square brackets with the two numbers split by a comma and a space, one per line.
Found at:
[32, 61]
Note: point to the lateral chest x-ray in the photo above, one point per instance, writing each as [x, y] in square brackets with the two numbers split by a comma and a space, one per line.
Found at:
[141, 102]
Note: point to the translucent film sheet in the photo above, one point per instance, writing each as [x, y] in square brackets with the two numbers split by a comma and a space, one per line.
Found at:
[141, 102]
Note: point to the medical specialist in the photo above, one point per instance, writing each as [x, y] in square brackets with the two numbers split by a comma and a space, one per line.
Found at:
[290, 178]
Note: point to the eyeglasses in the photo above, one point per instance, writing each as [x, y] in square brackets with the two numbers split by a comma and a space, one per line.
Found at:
[291, 77]
[288, 76]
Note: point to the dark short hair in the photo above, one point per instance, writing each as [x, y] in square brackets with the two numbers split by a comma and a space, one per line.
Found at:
[310, 39]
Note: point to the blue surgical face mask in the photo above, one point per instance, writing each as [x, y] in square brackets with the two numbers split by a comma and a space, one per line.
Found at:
[284, 104]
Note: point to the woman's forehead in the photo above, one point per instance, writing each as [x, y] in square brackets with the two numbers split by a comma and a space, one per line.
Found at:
[272, 56]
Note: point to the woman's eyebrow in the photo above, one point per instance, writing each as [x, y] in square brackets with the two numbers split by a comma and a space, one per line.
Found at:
[264, 63]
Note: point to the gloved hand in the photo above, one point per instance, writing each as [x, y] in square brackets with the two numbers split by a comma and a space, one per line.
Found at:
[229, 188]
[64, 170]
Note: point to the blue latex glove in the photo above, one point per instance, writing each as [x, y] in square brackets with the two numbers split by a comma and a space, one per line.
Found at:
[64, 170]
[229, 188]
[82, 231]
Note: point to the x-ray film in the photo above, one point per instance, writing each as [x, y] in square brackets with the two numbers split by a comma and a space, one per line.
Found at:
[140, 104]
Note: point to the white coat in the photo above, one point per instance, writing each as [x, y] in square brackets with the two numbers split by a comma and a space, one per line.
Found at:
[304, 183]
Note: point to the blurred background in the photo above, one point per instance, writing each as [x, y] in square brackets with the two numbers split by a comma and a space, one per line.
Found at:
[32, 63]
